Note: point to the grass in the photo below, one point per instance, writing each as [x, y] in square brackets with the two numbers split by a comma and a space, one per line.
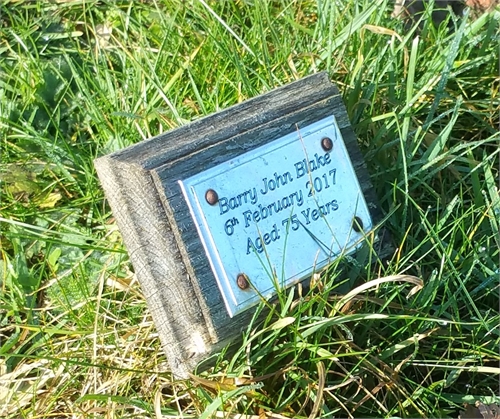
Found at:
[82, 79]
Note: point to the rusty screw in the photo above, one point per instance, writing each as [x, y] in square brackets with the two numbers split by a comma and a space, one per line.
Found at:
[327, 144]
[357, 224]
[211, 197]
[242, 281]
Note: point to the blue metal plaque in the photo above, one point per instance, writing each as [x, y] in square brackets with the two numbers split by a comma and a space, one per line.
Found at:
[273, 216]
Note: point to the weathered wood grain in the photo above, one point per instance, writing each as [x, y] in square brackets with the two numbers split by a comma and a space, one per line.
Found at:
[141, 186]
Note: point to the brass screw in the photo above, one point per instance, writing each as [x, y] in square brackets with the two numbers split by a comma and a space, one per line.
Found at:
[211, 197]
[242, 281]
[327, 144]
[357, 224]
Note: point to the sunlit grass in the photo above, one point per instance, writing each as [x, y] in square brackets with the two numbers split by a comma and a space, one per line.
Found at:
[414, 335]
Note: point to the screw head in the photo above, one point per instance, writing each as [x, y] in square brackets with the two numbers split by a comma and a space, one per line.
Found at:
[211, 197]
[242, 281]
[357, 224]
[326, 143]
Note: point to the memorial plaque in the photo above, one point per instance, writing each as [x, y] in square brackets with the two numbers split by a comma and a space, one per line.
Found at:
[277, 213]
[218, 213]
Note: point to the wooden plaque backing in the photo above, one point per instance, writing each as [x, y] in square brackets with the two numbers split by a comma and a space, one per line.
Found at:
[141, 186]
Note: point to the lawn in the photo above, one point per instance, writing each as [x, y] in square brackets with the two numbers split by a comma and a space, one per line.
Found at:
[413, 335]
